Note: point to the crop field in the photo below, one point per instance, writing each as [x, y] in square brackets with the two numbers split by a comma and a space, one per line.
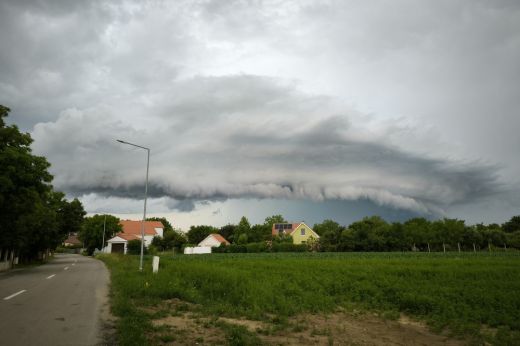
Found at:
[256, 298]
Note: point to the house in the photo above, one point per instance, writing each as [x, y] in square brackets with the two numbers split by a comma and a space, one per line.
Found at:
[131, 231]
[72, 240]
[213, 240]
[299, 231]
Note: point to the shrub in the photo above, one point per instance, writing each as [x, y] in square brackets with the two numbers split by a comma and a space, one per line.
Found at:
[134, 247]
[257, 247]
[289, 247]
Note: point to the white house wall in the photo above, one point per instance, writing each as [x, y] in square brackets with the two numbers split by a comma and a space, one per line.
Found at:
[159, 231]
[210, 241]
[197, 250]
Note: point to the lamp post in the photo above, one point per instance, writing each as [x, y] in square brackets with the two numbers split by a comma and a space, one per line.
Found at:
[145, 196]
[104, 228]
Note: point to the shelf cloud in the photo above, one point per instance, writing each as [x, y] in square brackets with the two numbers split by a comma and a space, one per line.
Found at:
[409, 106]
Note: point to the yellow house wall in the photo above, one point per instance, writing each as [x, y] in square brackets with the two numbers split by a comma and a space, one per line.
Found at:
[298, 238]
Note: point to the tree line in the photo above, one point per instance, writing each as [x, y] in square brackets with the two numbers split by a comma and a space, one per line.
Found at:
[370, 234]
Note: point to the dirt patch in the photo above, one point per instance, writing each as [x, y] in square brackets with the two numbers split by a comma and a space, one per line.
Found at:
[252, 326]
[348, 329]
[181, 327]
[186, 330]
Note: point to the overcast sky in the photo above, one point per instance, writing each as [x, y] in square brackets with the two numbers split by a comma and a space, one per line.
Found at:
[311, 109]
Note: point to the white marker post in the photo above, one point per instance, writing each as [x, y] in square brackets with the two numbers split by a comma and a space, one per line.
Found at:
[155, 264]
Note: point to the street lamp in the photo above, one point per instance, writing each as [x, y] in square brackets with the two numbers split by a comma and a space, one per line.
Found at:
[145, 196]
[104, 229]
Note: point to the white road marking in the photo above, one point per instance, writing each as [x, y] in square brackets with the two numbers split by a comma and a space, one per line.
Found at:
[66, 268]
[73, 264]
[51, 276]
[14, 295]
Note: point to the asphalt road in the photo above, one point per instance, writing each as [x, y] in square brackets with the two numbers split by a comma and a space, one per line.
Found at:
[62, 302]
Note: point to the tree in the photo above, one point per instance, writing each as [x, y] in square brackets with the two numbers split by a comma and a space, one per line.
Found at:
[327, 225]
[174, 239]
[167, 225]
[228, 232]
[369, 234]
[26, 214]
[243, 227]
[330, 234]
[258, 233]
[171, 238]
[417, 233]
[270, 220]
[512, 225]
[196, 234]
[91, 233]
[71, 216]
[513, 239]
[471, 237]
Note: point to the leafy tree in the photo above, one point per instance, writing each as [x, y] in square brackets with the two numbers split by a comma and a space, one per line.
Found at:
[175, 239]
[417, 233]
[228, 232]
[347, 241]
[397, 238]
[167, 225]
[196, 234]
[327, 225]
[26, 213]
[369, 234]
[91, 233]
[513, 239]
[242, 239]
[171, 239]
[72, 215]
[260, 233]
[330, 234]
[243, 227]
[472, 237]
[512, 225]
[270, 220]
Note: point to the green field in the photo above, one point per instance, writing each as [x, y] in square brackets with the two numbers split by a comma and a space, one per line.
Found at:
[460, 293]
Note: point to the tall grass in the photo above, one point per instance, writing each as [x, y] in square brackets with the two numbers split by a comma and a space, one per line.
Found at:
[462, 291]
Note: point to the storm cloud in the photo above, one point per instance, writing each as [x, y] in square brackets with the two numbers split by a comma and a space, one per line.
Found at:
[412, 106]
[251, 137]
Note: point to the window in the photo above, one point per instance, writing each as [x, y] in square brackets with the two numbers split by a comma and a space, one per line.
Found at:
[302, 231]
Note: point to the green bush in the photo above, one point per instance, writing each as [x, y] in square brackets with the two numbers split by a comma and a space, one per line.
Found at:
[257, 247]
[288, 247]
[134, 247]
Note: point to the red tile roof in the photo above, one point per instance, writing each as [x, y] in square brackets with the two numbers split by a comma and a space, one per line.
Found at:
[128, 236]
[72, 239]
[274, 231]
[134, 227]
[220, 238]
